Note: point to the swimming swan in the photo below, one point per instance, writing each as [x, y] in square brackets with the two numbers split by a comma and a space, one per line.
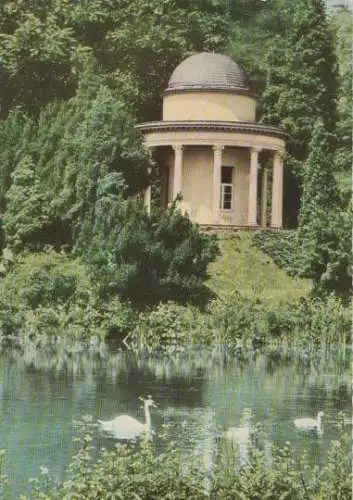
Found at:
[307, 424]
[126, 427]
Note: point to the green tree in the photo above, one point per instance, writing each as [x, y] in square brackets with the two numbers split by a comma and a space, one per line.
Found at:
[302, 76]
[301, 87]
[324, 228]
[27, 205]
[69, 147]
[319, 185]
[152, 37]
[342, 26]
[254, 24]
[137, 43]
[35, 57]
[142, 257]
[15, 132]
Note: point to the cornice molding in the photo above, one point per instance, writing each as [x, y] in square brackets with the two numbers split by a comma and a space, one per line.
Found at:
[218, 90]
[227, 126]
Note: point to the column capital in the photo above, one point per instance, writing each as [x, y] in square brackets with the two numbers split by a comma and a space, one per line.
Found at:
[218, 148]
[178, 147]
[255, 150]
[279, 153]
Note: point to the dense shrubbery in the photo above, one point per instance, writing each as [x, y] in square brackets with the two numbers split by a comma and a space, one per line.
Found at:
[51, 167]
[44, 296]
[170, 327]
[307, 321]
[322, 252]
[143, 257]
[48, 295]
[127, 472]
[69, 185]
[239, 323]
[281, 246]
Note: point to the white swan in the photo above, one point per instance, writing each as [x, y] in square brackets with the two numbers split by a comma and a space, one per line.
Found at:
[308, 424]
[126, 427]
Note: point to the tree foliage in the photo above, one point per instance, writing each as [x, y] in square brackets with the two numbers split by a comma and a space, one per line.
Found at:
[142, 257]
[140, 42]
[302, 77]
[301, 86]
[67, 149]
[342, 26]
[324, 227]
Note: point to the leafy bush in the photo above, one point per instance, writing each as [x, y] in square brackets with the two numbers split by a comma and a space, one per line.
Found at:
[51, 178]
[237, 320]
[141, 257]
[320, 251]
[323, 320]
[170, 326]
[47, 295]
[281, 246]
[141, 471]
[326, 256]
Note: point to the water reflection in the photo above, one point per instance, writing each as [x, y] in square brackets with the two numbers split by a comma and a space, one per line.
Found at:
[200, 397]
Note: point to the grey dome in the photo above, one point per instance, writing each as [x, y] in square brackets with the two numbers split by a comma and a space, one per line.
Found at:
[209, 71]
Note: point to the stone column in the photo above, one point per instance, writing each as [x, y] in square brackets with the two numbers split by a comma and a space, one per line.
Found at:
[252, 207]
[147, 199]
[147, 194]
[178, 169]
[264, 197]
[277, 190]
[216, 186]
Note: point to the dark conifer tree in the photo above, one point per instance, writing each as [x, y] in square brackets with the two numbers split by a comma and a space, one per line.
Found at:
[301, 87]
[324, 241]
[302, 76]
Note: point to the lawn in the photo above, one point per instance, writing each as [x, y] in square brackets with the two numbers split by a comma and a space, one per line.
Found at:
[244, 268]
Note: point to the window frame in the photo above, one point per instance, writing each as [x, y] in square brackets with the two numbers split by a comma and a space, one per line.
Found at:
[223, 193]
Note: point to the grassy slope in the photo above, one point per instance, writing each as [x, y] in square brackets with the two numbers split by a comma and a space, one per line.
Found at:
[246, 269]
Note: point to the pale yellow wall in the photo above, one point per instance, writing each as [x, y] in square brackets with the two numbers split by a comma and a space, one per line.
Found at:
[208, 106]
[238, 158]
[239, 214]
[197, 184]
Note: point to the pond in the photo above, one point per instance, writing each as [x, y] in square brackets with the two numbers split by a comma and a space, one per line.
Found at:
[199, 397]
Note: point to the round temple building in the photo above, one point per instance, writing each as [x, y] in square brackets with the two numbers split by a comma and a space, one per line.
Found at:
[227, 168]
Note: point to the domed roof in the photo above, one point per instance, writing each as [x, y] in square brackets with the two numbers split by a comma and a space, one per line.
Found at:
[209, 71]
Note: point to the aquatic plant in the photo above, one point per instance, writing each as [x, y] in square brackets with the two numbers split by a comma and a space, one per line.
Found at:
[127, 471]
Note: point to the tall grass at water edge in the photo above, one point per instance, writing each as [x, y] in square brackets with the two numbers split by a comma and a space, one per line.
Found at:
[47, 301]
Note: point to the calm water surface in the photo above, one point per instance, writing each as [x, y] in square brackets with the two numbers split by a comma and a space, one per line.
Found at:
[199, 397]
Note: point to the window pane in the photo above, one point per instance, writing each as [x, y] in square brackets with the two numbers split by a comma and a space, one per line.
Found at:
[227, 174]
[226, 196]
